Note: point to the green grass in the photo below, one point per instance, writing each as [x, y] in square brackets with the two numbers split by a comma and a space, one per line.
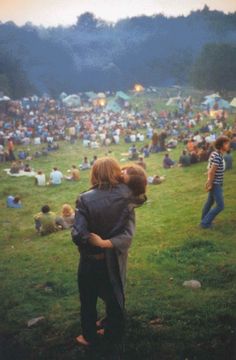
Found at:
[168, 249]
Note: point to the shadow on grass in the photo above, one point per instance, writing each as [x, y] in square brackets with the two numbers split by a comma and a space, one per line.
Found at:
[142, 341]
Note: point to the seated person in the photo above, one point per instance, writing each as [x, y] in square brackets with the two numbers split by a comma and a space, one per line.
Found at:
[133, 152]
[14, 202]
[184, 159]
[56, 176]
[94, 144]
[107, 141]
[22, 155]
[74, 174]
[203, 154]
[85, 164]
[15, 169]
[27, 168]
[141, 162]
[146, 151]
[44, 151]
[191, 145]
[194, 157]
[45, 221]
[93, 161]
[66, 219]
[37, 154]
[40, 178]
[21, 165]
[228, 160]
[167, 162]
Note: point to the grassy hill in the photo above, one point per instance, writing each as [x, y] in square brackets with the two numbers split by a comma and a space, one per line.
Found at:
[164, 319]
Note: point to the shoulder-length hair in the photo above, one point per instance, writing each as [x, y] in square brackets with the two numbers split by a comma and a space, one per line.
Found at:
[67, 210]
[137, 180]
[105, 172]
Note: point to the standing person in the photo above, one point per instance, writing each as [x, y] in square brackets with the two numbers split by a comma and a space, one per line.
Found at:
[10, 148]
[214, 184]
[2, 154]
[103, 235]
[228, 160]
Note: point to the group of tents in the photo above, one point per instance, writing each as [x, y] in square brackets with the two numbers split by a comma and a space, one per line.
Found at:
[215, 102]
[116, 103]
[211, 102]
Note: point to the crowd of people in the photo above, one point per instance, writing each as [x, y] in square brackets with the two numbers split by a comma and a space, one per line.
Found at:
[43, 121]
[103, 222]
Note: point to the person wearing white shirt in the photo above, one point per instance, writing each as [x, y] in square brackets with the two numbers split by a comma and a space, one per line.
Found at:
[40, 179]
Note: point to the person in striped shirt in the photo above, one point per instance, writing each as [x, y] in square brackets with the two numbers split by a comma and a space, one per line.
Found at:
[214, 184]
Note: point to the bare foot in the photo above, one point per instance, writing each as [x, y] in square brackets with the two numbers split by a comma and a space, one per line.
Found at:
[82, 341]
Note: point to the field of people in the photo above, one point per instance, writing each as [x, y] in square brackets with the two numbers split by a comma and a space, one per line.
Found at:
[165, 320]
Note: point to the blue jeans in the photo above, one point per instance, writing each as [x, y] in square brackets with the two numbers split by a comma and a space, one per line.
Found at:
[209, 213]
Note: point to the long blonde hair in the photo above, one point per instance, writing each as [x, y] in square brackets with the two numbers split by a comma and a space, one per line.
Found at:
[105, 172]
[67, 210]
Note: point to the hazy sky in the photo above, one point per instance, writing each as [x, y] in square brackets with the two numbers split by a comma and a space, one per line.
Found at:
[65, 12]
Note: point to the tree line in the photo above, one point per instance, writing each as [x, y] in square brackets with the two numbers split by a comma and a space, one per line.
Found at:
[199, 49]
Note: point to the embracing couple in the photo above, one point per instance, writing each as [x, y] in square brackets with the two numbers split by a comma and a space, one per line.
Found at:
[103, 230]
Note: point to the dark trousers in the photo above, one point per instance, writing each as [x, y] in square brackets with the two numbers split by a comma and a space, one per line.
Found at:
[93, 281]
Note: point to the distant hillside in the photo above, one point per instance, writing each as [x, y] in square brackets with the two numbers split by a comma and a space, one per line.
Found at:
[95, 55]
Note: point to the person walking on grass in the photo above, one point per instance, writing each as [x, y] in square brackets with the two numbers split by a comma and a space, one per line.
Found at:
[214, 184]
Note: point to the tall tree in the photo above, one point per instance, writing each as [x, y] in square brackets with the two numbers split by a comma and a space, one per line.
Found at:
[215, 68]
[13, 80]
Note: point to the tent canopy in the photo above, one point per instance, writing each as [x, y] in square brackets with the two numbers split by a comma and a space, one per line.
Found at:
[113, 106]
[4, 98]
[72, 100]
[213, 96]
[233, 102]
[122, 95]
[222, 104]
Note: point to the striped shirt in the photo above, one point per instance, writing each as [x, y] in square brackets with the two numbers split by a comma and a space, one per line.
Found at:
[217, 159]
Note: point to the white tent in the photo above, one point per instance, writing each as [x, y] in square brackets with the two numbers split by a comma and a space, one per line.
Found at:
[4, 98]
[213, 96]
[233, 102]
[174, 100]
[62, 96]
[101, 95]
[72, 101]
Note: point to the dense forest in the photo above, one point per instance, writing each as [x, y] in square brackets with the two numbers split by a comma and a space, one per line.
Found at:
[198, 49]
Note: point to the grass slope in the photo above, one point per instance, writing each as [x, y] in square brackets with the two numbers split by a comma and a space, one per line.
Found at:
[168, 248]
